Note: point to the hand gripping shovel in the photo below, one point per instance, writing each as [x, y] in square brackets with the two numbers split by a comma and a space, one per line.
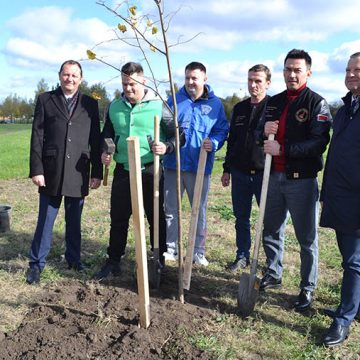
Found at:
[154, 263]
[249, 283]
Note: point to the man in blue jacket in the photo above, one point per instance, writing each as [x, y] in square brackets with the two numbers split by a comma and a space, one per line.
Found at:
[202, 117]
[340, 197]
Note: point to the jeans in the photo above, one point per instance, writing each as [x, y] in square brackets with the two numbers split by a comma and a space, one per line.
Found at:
[243, 187]
[171, 213]
[41, 243]
[349, 245]
[300, 198]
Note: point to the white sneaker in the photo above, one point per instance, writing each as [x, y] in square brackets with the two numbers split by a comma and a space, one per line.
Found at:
[200, 259]
[170, 256]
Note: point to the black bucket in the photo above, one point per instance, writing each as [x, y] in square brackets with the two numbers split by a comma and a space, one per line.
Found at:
[5, 217]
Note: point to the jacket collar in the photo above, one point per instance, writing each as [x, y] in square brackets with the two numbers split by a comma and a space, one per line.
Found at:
[347, 99]
[59, 100]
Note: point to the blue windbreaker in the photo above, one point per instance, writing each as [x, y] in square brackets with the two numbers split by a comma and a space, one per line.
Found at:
[199, 119]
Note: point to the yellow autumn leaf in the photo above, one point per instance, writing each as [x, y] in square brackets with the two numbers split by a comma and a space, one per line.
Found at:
[152, 48]
[91, 55]
[95, 95]
[149, 23]
[132, 10]
[154, 30]
[122, 27]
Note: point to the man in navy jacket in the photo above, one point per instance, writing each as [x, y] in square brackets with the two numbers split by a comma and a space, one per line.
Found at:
[340, 196]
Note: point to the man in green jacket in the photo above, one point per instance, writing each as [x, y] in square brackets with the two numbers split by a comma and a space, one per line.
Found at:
[133, 115]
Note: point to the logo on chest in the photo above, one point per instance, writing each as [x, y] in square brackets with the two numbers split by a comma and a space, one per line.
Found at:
[205, 109]
[302, 115]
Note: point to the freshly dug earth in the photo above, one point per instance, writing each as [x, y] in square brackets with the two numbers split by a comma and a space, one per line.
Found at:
[88, 320]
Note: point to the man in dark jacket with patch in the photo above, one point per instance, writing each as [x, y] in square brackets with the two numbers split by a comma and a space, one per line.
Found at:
[301, 120]
[64, 162]
[340, 196]
[244, 160]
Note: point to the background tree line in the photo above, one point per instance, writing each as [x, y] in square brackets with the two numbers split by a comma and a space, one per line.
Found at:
[16, 109]
[21, 110]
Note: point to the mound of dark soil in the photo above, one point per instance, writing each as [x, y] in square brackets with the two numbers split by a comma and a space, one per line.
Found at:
[86, 320]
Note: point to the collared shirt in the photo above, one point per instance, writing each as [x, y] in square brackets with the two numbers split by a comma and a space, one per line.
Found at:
[70, 102]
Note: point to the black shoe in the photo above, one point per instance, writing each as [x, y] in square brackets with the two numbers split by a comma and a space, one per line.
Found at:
[33, 275]
[111, 266]
[76, 266]
[336, 335]
[304, 300]
[239, 263]
[331, 313]
[269, 282]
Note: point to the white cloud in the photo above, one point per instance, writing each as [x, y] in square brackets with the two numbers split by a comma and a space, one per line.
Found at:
[45, 24]
[271, 20]
[234, 35]
[319, 62]
[52, 34]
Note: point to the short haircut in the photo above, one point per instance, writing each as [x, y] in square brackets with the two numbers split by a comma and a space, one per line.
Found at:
[357, 54]
[71, 62]
[196, 66]
[299, 54]
[261, 67]
[132, 68]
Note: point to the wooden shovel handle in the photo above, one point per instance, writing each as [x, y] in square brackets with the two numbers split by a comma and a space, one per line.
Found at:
[194, 217]
[106, 175]
[137, 205]
[260, 221]
[156, 188]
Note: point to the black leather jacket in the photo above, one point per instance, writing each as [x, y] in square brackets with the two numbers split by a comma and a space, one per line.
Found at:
[243, 151]
[308, 125]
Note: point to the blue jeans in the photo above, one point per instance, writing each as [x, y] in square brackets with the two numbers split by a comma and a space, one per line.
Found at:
[349, 246]
[171, 213]
[243, 187]
[300, 198]
[48, 210]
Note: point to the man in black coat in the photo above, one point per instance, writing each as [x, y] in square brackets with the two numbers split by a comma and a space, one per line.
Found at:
[340, 197]
[65, 143]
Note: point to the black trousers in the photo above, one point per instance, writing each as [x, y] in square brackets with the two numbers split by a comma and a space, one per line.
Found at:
[121, 210]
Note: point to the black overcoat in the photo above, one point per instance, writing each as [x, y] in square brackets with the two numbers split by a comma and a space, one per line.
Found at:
[340, 192]
[63, 147]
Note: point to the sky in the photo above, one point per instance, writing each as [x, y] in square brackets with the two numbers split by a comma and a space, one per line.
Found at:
[229, 37]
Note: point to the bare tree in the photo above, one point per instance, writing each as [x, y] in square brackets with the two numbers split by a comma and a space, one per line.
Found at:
[141, 32]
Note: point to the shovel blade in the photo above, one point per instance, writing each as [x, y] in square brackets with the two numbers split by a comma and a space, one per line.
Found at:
[248, 292]
[154, 273]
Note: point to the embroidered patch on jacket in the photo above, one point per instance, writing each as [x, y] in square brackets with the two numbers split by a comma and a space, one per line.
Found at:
[205, 109]
[302, 115]
[322, 118]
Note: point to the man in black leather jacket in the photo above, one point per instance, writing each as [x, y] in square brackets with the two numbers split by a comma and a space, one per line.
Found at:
[244, 160]
[301, 120]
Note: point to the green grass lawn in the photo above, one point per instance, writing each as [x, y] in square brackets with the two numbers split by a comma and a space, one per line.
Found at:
[15, 146]
[273, 331]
